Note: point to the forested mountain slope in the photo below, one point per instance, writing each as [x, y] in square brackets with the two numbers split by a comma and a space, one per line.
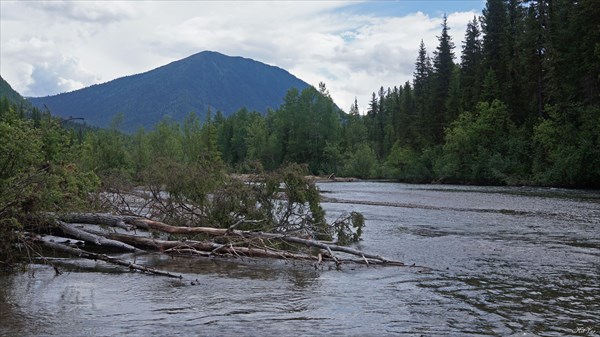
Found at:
[194, 84]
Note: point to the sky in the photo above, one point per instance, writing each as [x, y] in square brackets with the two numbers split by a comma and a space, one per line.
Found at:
[354, 47]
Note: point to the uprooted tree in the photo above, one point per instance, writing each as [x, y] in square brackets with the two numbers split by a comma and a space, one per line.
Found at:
[192, 209]
[54, 199]
[203, 212]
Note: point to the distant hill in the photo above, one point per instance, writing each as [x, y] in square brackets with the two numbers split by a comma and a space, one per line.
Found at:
[11, 95]
[196, 83]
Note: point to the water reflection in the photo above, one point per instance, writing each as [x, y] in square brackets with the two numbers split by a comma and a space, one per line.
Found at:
[9, 304]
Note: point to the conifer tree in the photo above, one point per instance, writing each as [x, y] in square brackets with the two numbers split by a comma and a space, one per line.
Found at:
[493, 25]
[443, 66]
[422, 91]
[470, 73]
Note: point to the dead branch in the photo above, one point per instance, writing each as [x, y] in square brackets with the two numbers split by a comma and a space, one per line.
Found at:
[103, 257]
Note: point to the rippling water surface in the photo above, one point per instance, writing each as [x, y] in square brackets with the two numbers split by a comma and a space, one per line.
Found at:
[490, 262]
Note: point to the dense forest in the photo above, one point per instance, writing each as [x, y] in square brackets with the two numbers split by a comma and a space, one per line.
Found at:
[520, 107]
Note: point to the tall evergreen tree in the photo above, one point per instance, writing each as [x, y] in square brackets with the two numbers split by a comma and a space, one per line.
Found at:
[395, 109]
[422, 74]
[422, 91]
[516, 79]
[573, 51]
[191, 142]
[471, 72]
[354, 108]
[453, 103]
[208, 138]
[585, 19]
[372, 122]
[408, 133]
[443, 66]
[493, 25]
[355, 131]
[380, 122]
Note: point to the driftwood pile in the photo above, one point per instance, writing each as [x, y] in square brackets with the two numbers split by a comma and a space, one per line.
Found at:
[84, 234]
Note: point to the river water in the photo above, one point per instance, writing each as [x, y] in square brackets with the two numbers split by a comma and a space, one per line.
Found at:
[489, 261]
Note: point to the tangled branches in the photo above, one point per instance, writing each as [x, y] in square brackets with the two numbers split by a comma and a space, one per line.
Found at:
[282, 202]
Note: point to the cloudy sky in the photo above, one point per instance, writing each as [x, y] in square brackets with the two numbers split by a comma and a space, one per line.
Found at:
[355, 47]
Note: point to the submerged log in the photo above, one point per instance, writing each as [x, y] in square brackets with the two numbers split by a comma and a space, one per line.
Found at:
[103, 257]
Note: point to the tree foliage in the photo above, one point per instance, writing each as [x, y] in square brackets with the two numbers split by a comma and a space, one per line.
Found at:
[476, 147]
[36, 175]
[567, 147]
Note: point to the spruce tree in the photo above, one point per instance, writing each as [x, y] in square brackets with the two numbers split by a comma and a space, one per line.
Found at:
[470, 73]
[373, 121]
[422, 91]
[453, 103]
[516, 80]
[493, 25]
[443, 66]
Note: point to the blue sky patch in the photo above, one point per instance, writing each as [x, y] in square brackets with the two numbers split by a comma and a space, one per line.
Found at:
[405, 7]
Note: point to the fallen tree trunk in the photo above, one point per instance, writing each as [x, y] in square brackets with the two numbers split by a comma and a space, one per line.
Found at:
[98, 240]
[103, 257]
[329, 247]
[148, 224]
[272, 216]
[96, 219]
[212, 249]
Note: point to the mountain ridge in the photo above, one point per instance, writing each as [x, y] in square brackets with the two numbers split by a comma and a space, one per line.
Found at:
[202, 81]
[11, 95]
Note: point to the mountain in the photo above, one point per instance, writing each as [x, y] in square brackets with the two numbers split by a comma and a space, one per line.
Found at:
[13, 97]
[196, 83]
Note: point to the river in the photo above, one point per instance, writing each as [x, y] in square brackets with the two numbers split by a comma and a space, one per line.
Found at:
[490, 261]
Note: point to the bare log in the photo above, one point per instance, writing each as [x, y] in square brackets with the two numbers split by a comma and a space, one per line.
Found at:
[203, 248]
[210, 247]
[95, 239]
[96, 219]
[165, 228]
[155, 225]
[148, 224]
[162, 245]
[103, 257]
[317, 244]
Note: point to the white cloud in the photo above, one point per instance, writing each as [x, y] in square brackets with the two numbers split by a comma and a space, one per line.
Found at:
[51, 47]
[87, 11]
[39, 68]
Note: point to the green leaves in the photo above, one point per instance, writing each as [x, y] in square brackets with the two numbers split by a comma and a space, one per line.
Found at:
[20, 147]
[305, 124]
[361, 163]
[475, 148]
[36, 175]
[567, 147]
